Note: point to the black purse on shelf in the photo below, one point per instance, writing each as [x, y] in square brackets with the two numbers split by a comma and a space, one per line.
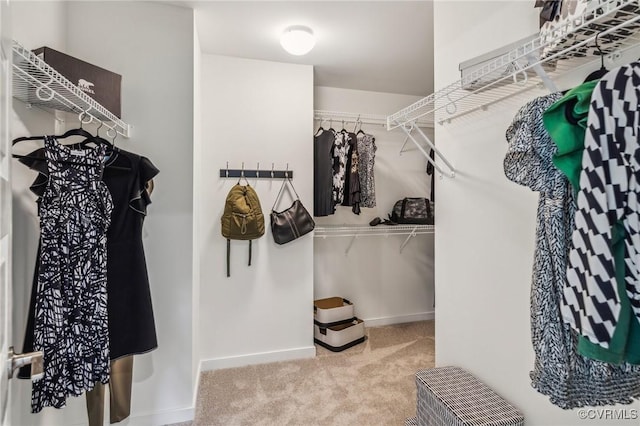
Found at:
[291, 223]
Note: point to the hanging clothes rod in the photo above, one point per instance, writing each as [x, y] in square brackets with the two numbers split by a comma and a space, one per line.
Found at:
[256, 173]
[352, 118]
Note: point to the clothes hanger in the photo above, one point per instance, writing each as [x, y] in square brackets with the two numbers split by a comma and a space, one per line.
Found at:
[79, 131]
[599, 73]
[355, 125]
[320, 128]
[71, 132]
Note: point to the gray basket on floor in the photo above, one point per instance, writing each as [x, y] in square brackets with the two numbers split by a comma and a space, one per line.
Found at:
[453, 397]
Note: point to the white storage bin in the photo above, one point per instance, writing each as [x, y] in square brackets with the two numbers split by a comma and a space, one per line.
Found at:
[332, 311]
[340, 337]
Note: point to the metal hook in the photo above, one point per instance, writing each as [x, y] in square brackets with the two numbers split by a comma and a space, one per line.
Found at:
[452, 104]
[83, 114]
[355, 126]
[242, 171]
[272, 173]
[522, 82]
[115, 135]
[258, 171]
[227, 169]
[99, 127]
[45, 85]
[599, 51]
[286, 172]
[42, 98]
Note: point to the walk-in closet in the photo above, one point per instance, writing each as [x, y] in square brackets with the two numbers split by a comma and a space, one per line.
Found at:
[151, 267]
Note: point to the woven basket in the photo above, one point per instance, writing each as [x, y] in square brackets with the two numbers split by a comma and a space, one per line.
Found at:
[453, 397]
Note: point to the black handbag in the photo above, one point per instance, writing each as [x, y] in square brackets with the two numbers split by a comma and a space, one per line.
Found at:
[291, 223]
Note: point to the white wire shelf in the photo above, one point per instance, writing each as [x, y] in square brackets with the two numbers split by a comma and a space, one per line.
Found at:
[366, 230]
[357, 231]
[615, 22]
[37, 83]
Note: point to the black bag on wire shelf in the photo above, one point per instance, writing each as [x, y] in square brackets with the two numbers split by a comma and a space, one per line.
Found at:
[415, 211]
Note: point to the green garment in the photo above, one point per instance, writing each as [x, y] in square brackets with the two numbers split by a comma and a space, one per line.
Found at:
[566, 122]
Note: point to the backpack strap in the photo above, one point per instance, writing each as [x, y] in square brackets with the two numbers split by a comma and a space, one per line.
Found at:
[228, 256]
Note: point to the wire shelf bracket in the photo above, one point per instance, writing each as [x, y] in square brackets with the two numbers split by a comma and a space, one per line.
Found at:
[545, 58]
[36, 83]
[408, 130]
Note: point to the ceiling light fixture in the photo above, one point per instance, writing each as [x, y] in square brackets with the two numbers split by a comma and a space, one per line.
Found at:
[298, 40]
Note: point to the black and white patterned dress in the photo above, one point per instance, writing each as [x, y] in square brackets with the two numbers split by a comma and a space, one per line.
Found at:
[560, 372]
[70, 324]
[366, 161]
[340, 151]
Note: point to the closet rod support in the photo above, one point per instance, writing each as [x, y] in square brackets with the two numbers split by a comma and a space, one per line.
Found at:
[452, 170]
[546, 80]
[406, 139]
[353, 238]
[406, 241]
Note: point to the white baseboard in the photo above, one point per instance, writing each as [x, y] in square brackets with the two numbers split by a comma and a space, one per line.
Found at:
[378, 322]
[257, 358]
[162, 417]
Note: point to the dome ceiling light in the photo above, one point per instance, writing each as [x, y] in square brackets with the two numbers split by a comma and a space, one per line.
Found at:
[298, 40]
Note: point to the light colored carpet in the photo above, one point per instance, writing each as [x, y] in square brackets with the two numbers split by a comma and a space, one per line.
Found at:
[369, 384]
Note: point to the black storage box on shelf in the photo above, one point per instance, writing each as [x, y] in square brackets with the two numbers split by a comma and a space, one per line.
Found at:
[98, 83]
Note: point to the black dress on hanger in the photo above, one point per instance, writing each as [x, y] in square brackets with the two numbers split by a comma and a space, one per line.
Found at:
[323, 143]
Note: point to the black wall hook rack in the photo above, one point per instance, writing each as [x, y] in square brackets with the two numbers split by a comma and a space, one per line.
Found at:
[254, 173]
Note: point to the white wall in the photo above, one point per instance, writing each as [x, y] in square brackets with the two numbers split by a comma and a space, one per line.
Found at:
[385, 285]
[151, 45]
[486, 224]
[197, 185]
[255, 111]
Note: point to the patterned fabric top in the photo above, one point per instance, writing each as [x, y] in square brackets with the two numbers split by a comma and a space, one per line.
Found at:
[529, 158]
[609, 191]
[473, 402]
[68, 166]
[366, 160]
[340, 151]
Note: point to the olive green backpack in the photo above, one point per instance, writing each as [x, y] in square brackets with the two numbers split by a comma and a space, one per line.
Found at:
[242, 218]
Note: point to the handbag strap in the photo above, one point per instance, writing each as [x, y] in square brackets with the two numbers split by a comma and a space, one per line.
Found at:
[284, 182]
